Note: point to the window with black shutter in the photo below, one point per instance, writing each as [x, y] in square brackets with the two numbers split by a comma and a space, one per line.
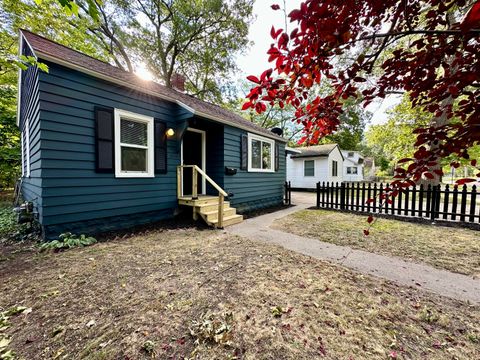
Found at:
[160, 147]
[134, 145]
[104, 132]
[277, 156]
[244, 152]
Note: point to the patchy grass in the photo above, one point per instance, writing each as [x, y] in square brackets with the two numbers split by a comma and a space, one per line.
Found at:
[447, 248]
[208, 295]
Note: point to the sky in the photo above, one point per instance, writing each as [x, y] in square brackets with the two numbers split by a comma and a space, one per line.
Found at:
[254, 61]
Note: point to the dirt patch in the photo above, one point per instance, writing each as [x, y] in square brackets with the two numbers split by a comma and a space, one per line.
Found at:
[264, 211]
[453, 249]
[144, 296]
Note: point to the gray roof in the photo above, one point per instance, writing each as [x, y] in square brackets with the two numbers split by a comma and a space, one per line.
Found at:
[63, 55]
[315, 151]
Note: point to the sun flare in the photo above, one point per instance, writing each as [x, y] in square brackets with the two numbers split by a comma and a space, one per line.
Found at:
[143, 73]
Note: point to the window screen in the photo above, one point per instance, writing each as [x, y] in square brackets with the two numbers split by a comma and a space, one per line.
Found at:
[266, 156]
[256, 154]
[309, 168]
[133, 132]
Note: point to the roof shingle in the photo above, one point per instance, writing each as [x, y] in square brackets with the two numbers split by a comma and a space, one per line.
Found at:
[57, 53]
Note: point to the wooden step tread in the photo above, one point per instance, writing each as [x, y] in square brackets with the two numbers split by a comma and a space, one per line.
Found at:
[215, 212]
[230, 220]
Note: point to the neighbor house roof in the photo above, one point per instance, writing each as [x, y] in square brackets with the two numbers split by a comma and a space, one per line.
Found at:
[62, 55]
[315, 151]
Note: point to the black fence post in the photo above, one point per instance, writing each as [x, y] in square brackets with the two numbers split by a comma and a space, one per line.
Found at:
[463, 206]
[445, 202]
[428, 208]
[473, 199]
[336, 196]
[342, 196]
[420, 200]
[363, 197]
[414, 200]
[454, 202]
[323, 194]
[433, 203]
[318, 194]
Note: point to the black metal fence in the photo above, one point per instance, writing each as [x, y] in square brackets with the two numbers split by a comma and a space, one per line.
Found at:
[449, 203]
[287, 199]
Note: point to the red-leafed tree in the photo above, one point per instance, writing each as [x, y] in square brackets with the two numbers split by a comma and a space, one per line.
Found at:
[368, 49]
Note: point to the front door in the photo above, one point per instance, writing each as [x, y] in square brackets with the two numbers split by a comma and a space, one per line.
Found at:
[193, 154]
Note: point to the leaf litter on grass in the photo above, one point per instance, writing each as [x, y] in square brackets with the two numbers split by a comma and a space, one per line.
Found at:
[179, 296]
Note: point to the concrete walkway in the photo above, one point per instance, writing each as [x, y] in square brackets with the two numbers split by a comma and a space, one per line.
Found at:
[456, 286]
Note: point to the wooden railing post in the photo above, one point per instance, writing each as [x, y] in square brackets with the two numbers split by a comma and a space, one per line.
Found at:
[318, 194]
[221, 199]
[194, 183]
[179, 182]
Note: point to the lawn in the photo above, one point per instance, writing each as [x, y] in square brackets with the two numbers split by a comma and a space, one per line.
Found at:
[447, 248]
[204, 294]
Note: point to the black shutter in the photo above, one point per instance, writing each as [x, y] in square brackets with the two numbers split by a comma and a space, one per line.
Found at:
[277, 156]
[104, 140]
[160, 147]
[244, 152]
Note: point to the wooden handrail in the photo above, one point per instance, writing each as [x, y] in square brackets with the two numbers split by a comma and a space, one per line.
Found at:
[202, 173]
[221, 193]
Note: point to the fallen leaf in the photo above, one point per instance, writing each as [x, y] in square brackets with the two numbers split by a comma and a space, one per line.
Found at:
[91, 323]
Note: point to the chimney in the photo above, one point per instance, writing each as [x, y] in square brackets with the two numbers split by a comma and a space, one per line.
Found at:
[178, 82]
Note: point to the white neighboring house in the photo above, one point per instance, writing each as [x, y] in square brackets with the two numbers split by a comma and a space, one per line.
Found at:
[308, 165]
[352, 166]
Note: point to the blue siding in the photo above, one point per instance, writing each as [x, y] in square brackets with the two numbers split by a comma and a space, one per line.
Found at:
[252, 190]
[30, 109]
[74, 195]
[71, 196]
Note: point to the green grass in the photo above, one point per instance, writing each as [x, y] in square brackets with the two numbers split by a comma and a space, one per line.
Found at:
[447, 248]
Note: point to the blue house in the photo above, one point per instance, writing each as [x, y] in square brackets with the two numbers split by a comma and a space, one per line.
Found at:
[103, 149]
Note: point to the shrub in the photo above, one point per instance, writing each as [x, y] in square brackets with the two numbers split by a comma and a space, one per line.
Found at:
[68, 241]
[11, 230]
[8, 221]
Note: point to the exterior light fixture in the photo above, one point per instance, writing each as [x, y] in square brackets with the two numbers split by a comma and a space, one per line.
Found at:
[170, 132]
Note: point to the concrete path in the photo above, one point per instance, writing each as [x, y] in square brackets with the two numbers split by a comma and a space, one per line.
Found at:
[456, 286]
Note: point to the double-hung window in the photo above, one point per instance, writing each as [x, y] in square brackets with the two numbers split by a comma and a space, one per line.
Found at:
[134, 147]
[352, 170]
[261, 154]
[309, 168]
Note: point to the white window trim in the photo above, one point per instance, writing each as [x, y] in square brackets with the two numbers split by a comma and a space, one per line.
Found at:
[204, 156]
[22, 142]
[150, 173]
[252, 137]
[25, 148]
[304, 162]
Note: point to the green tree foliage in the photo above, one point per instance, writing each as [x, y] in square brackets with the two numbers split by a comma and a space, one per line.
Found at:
[197, 39]
[9, 138]
[394, 140]
[350, 133]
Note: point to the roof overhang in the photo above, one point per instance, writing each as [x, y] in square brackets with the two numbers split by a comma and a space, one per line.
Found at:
[96, 74]
[301, 156]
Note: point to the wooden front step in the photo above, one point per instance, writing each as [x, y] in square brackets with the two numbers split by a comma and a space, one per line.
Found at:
[212, 215]
[207, 208]
[230, 220]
